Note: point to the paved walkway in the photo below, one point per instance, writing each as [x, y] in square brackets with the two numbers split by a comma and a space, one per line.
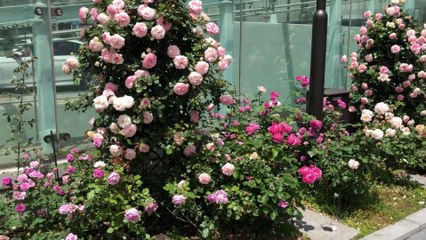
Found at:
[419, 236]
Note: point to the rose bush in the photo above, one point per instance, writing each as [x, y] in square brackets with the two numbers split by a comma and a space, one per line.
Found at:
[250, 173]
[389, 65]
[88, 199]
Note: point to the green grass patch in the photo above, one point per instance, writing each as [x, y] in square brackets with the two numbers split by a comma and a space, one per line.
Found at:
[383, 206]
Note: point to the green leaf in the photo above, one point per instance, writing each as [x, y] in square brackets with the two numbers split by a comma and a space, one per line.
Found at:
[110, 230]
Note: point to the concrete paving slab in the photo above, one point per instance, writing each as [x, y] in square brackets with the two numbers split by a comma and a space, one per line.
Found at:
[418, 236]
[320, 227]
[398, 231]
[419, 218]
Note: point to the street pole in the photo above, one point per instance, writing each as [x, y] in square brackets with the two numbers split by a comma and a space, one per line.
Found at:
[318, 52]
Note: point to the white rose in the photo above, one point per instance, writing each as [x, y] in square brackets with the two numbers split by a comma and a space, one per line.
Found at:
[366, 115]
[228, 169]
[390, 132]
[99, 164]
[115, 150]
[100, 103]
[405, 130]
[114, 128]
[124, 120]
[377, 134]
[396, 122]
[353, 164]
[381, 108]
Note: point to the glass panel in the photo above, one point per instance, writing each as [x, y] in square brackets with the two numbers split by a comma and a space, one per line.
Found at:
[275, 45]
[16, 89]
[66, 43]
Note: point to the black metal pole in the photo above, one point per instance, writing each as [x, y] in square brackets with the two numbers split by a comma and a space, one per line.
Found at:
[318, 51]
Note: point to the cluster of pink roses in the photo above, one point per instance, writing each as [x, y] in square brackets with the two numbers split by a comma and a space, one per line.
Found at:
[374, 74]
[310, 174]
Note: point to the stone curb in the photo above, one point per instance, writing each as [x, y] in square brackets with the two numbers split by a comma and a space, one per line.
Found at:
[401, 230]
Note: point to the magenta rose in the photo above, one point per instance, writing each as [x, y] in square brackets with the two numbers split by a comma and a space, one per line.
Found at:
[282, 204]
[98, 173]
[315, 124]
[71, 236]
[20, 207]
[181, 88]
[7, 181]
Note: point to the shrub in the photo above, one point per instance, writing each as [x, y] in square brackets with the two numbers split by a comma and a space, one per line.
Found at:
[389, 66]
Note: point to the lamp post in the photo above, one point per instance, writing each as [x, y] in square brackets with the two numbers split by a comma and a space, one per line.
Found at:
[318, 52]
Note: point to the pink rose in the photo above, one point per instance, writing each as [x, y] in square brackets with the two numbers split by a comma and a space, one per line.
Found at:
[392, 36]
[369, 58]
[146, 12]
[384, 69]
[362, 68]
[395, 49]
[368, 92]
[178, 200]
[212, 28]
[252, 128]
[113, 178]
[118, 4]
[83, 13]
[198, 31]
[130, 154]
[223, 65]
[202, 67]
[344, 59]
[103, 18]
[166, 25]
[204, 178]
[181, 88]
[129, 131]
[112, 10]
[189, 150]
[195, 8]
[227, 99]
[400, 97]
[116, 41]
[367, 14]
[195, 78]
[180, 62]
[122, 18]
[140, 30]
[158, 32]
[96, 45]
[149, 61]
[406, 84]
[364, 100]
[404, 67]
[173, 51]
[228, 169]
[399, 89]
[144, 103]
[147, 117]
[364, 86]
[132, 215]
[195, 117]
[378, 16]
[363, 30]
[130, 82]
[210, 55]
